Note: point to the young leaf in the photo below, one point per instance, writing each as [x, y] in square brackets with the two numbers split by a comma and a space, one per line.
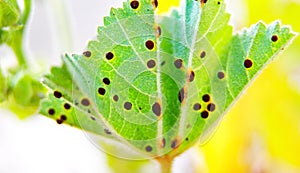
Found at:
[23, 93]
[158, 83]
[9, 12]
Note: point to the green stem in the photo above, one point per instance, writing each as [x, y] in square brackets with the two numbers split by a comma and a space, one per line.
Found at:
[26, 13]
[18, 50]
[17, 44]
[165, 164]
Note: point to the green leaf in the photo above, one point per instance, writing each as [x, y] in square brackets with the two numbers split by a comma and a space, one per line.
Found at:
[9, 13]
[23, 90]
[24, 94]
[157, 84]
[3, 87]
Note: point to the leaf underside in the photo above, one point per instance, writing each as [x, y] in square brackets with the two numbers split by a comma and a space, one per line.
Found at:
[158, 83]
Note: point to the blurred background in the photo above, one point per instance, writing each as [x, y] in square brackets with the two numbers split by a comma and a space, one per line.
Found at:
[260, 134]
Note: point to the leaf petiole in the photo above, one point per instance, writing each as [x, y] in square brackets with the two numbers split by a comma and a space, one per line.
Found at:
[165, 164]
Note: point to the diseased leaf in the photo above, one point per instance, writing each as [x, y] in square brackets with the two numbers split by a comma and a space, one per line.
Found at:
[156, 84]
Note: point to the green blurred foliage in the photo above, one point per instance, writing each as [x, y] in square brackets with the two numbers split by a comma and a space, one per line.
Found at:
[9, 13]
[20, 89]
[2, 86]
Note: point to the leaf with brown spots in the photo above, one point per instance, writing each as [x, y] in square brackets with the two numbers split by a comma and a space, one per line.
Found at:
[157, 84]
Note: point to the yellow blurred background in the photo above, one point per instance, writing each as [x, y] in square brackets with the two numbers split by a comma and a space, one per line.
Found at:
[261, 133]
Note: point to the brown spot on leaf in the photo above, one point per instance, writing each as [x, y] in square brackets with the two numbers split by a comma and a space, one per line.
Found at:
[59, 121]
[109, 56]
[181, 95]
[57, 94]
[204, 114]
[155, 3]
[211, 107]
[127, 105]
[51, 111]
[63, 117]
[107, 131]
[156, 109]
[248, 63]
[158, 31]
[192, 76]
[67, 106]
[203, 2]
[148, 148]
[274, 38]
[101, 91]
[85, 102]
[163, 142]
[149, 44]
[87, 54]
[202, 54]
[134, 4]
[197, 106]
[221, 75]
[206, 98]
[175, 144]
[116, 98]
[151, 63]
[106, 81]
[178, 63]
